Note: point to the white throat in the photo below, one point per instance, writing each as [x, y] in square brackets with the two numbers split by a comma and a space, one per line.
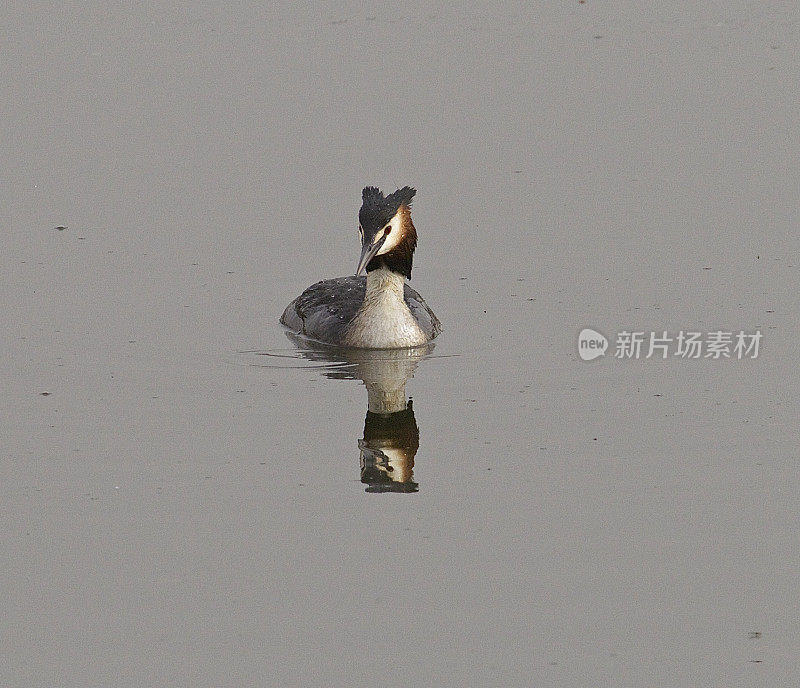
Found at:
[384, 321]
[386, 285]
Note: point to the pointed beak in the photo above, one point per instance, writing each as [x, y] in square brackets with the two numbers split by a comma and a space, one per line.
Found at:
[368, 252]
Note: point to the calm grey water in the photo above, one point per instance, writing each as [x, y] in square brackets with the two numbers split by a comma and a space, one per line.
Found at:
[198, 502]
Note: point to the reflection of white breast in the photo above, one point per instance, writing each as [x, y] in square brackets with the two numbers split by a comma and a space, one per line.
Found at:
[384, 320]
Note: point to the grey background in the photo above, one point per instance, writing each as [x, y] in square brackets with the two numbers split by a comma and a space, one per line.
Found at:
[178, 513]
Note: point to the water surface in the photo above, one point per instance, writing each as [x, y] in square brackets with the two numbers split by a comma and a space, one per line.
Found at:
[189, 499]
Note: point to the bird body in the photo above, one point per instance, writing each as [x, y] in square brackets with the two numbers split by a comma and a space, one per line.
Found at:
[379, 311]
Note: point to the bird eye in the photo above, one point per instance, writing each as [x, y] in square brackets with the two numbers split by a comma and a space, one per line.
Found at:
[387, 229]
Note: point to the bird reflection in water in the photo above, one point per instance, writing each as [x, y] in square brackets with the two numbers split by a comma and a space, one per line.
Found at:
[391, 435]
[388, 449]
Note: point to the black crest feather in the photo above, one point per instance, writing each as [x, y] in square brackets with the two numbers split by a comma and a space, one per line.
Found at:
[371, 192]
[401, 196]
[378, 209]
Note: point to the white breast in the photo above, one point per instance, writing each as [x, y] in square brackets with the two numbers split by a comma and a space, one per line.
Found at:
[384, 321]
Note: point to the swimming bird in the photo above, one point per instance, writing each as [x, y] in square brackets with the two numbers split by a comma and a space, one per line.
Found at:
[379, 311]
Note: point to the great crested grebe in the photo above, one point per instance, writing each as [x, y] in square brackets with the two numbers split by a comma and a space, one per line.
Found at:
[379, 311]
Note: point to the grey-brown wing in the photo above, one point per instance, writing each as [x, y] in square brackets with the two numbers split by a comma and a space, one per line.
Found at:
[422, 314]
[325, 309]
